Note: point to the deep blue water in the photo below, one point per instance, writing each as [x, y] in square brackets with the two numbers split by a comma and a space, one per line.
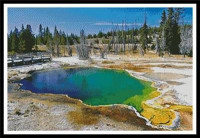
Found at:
[92, 85]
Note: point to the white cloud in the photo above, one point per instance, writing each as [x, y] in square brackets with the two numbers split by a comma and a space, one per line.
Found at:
[119, 24]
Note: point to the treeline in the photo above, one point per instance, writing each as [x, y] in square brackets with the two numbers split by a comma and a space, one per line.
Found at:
[23, 41]
[169, 40]
[171, 37]
[171, 30]
[129, 34]
[109, 33]
[168, 33]
[45, 37]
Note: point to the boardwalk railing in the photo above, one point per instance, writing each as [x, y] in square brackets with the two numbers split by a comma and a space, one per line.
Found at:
[28, 58]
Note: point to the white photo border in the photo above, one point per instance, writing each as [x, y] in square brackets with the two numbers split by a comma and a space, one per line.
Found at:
[6, 6]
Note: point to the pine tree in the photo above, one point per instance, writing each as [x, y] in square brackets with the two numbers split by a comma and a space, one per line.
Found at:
[29, 39]
[174, 49]
[15, 41]
[176, 31]
[172, 31]
[44, 36]
[162, 32]
[163, 18]
[143, 37]
[63, 38]
[22, 28]
[56, 40]
[40, 35]
[22, 37]
[22, 45]
[169, 30]
[56, 35]
[28, 27]
[100, 34]
[162, 23]
[178, 14]
[48, 37]
[10, 41]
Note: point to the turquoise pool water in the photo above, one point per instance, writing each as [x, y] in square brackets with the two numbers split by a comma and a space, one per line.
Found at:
[94, 86]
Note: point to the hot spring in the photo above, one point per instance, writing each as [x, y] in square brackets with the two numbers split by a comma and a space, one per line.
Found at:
[94, 86]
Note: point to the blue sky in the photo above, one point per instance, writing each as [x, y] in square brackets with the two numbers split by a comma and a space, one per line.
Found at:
[92, 20]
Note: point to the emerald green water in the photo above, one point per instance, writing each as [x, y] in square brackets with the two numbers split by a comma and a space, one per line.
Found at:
[93, 86]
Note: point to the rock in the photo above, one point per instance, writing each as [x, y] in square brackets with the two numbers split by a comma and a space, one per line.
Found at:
[18, 112]
[108, 124]
[25, 115]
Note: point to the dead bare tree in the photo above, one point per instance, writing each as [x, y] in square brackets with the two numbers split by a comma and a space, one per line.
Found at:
[134, 38]
[64, 51]
[133, 42]
[105, 49]
[69, 49]
[116, 41]
[162, 44]
[51, 49]
[124, 36]
[57, 48]
[82, 49]
[157, 44]
[141, 50]
[112, 40]
[186, 40]
[92, 45]
[116, 48]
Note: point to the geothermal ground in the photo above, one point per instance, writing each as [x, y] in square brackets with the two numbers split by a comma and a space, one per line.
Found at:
[170, 107]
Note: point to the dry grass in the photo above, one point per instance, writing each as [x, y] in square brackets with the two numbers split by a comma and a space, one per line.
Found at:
[150, 55]
[107, 62]
[118, 113]
[41, 48]
[130, 66]
[90, 115]
[142, 68]
[153, 55]
[63, 50]
[186, 121]
[172, 66]
[83, 115]
[185, 116]
[68, 66]
[83, 118]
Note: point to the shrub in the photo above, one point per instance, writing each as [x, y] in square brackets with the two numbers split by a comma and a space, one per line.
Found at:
[17, 111]
[153, 47]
